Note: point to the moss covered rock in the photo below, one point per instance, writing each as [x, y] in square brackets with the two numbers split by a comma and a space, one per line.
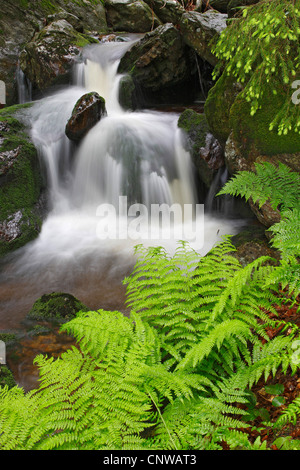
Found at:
[133, 16]
[218, 105]
[247, 138]
[57, 306]
[20, 20]
[21, 182]
[159, 62]
[48, 59]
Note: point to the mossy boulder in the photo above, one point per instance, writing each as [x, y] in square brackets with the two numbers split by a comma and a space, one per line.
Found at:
[159, 64]
[252, 132]
[218, 105]
[48, 59]
[21, 182]
[133, 16]
[56, 307]
[206, 152]
[20, 20]
[247, 138]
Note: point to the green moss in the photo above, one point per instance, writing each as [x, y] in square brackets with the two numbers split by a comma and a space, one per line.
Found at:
[196, 127]
[57, 306]
[252, 132]
[6, 377]
[21, 181]
[218, 104]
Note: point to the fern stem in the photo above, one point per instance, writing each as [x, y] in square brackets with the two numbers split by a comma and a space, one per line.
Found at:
[163, 421]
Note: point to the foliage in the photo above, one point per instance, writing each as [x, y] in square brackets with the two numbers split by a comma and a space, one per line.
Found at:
[280, 186]
[176, 374]
[261, 48]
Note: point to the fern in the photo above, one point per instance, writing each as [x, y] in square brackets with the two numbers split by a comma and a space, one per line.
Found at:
[174, 375]
[277, 184]
[280, 186]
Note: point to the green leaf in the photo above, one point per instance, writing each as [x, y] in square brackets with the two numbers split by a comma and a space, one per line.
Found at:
[276, 389]
[278, 401]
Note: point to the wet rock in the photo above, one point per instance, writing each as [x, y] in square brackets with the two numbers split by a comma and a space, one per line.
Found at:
[21, 182]
[168, 11]
[127, 93]
[158, 62]
[206, 152]
[252, 243]
[131, 16]
[20, 21]
[86, 113]
[200, 29]
[49, 57]
[57, 306]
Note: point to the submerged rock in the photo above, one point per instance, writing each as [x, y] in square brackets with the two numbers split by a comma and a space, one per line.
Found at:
[133, 16]
[86, 113]
[57, 306]
[21, 182]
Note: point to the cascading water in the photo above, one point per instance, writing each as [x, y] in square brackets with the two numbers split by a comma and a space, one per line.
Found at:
[137, 156]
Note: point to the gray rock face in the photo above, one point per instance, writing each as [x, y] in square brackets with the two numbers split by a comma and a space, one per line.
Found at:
[86, 113]
[131, 16]
[199, 29]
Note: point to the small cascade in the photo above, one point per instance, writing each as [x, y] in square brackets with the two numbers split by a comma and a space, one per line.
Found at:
[24, 87]
[129, 162]
[221, 205]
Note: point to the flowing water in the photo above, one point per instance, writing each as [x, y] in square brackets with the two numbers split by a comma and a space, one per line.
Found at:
[127, 160]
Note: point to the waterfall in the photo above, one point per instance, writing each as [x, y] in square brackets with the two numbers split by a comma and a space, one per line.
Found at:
[24, 87]
[127, 164]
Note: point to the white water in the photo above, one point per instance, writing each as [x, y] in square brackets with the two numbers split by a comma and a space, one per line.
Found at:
[138, 155]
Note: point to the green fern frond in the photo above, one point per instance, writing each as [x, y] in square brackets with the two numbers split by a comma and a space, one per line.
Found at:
[277, 184]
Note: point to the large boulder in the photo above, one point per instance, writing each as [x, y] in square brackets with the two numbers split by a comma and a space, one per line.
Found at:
[49, 57]
[199, 30]
[159, 64]
[133, 16]
[21, 183]
[86, 113]
[247, 139]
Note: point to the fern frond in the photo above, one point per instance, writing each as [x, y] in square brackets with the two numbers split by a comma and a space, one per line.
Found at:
[277, 184]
